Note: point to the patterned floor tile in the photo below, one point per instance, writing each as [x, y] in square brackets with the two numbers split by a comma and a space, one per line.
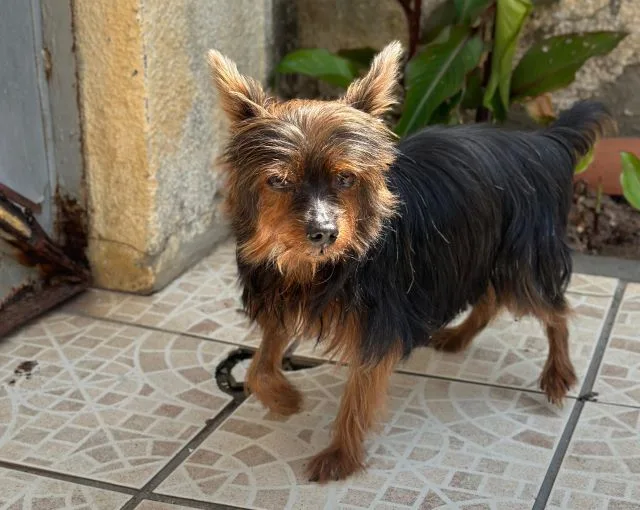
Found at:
[103, 400]
[443, 444]
[509, 352]
[619, 377]
[592, 285]
[205, 301]
[601, 470]
[22, 491]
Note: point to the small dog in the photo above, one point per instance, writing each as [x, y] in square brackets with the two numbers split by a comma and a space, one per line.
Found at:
[373, 246]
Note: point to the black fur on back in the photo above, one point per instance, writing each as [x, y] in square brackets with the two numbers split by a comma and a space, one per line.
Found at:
[479, 205]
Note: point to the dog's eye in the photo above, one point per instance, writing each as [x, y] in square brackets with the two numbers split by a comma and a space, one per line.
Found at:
[278, 182]
[345, 179]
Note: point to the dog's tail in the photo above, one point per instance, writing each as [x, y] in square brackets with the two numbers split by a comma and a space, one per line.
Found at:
[579, 127]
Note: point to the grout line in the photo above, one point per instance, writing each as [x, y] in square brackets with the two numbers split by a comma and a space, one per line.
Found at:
[122, 322]
[313, 362]
[78, 480]
[185, 451]
[612, 404]
[189, 503]
[585, 392]
[598, 354]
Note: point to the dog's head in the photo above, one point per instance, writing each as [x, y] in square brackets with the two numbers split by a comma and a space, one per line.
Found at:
[306, 179]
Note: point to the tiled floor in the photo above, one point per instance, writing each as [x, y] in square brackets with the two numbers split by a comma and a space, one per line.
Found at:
[112, 402]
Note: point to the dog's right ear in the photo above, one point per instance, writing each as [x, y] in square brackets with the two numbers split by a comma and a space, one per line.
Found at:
[241, 97]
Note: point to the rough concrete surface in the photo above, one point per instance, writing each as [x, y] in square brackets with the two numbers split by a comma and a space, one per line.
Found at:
[152, 129]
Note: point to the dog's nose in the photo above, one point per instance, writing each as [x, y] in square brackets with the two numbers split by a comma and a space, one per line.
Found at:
[322, 234]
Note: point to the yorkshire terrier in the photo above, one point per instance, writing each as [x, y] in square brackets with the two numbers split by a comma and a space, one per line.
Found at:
[373, 246]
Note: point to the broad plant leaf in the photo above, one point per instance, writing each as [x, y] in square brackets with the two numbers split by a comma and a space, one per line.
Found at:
[361, 57]
[630, 178]
[442, 16]
[552, 63]
[510, 18]
[468, 10]
[320, 63]
[436, 74]
[585, 162]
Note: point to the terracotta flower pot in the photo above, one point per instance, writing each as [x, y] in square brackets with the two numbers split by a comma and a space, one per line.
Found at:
[606, 166]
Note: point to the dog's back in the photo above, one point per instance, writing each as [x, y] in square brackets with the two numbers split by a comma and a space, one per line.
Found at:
[481, 207]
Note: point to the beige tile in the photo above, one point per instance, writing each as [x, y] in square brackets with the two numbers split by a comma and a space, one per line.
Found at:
[592, 285]
[618, 379]
[509, 352]
[601, 469]
[442, 443]
[103, 400]
[205, 301]
[22, 491]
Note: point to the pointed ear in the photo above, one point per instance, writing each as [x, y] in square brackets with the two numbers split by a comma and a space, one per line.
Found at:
[241, 97]
[374, 92]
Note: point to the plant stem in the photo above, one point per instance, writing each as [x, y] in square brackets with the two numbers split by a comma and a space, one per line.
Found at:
[483, 114]
[413, 16]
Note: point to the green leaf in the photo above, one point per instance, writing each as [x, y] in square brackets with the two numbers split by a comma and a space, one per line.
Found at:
[319, 63]
[630, 178]
[585, 162]
[439, 18]
[552, 63]
[510, 18]
[468, 10]
[435, 75]
[361, 57]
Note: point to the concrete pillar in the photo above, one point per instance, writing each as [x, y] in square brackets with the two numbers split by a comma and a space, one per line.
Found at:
[152, 130]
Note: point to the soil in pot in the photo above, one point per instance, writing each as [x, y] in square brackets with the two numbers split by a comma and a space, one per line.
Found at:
[614, 232]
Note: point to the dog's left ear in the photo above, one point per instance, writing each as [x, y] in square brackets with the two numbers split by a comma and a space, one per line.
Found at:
[242, 98]
[374, 92]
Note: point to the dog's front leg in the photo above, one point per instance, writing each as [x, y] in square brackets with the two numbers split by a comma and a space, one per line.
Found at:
[364, 396]
[265, 378]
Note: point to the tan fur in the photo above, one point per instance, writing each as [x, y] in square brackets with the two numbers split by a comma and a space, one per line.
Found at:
[240, 96]
[265, 378]
[458, 338]
[363, 399]
[375, 92]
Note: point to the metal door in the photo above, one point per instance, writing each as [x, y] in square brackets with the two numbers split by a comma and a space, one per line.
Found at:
[29, 183]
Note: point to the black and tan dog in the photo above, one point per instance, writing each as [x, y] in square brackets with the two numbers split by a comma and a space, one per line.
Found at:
[373, 246]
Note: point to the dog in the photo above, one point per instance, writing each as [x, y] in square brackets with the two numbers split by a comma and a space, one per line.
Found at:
[373, 246]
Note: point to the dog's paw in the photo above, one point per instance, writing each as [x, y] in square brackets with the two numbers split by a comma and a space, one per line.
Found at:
[277, 394]
[332, 464]
[448, 340]
[556, 383]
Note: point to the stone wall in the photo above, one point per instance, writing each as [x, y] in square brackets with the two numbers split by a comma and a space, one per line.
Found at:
[152, 129]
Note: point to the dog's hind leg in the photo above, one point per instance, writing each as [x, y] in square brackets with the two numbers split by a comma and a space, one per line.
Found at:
[265, 378]
[458, 338]
[558, 374]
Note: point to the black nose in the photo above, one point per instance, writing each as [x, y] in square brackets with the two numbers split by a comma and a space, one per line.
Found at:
[322, 234]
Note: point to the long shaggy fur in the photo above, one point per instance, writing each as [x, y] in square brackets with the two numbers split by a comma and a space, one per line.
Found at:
[479, 206]
[448, 218]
